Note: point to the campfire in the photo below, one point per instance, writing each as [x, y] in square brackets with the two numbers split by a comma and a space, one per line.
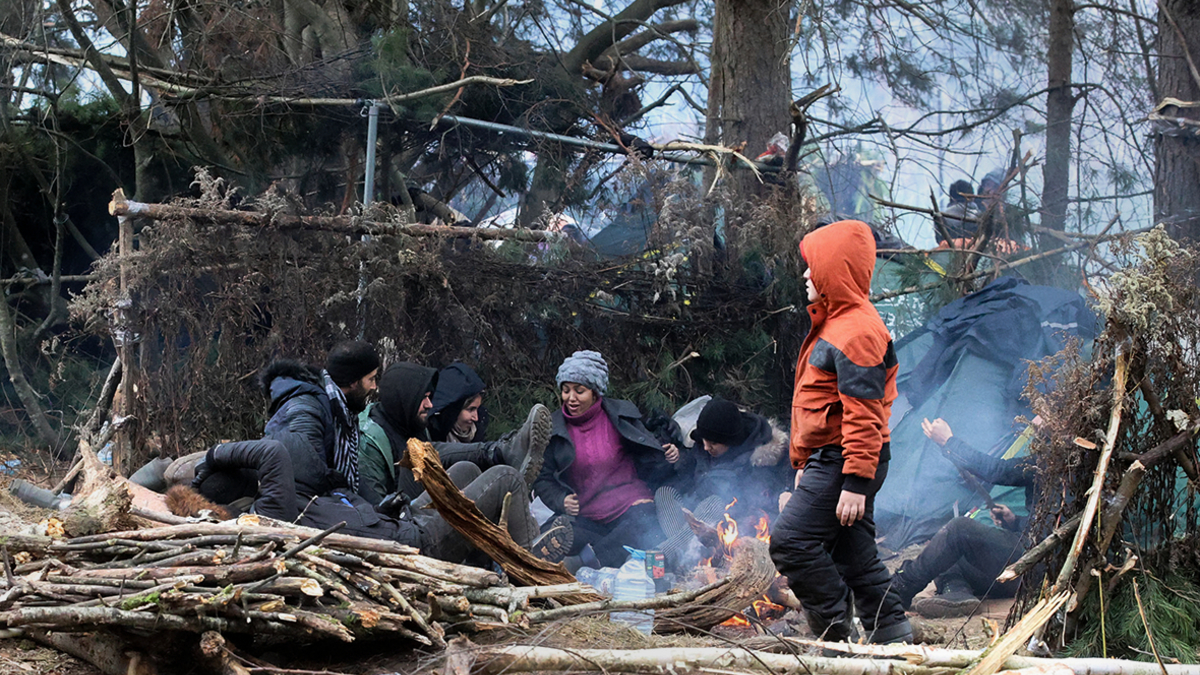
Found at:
[715, 566]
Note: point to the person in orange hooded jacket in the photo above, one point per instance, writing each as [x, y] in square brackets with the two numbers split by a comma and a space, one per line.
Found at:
[824, 540]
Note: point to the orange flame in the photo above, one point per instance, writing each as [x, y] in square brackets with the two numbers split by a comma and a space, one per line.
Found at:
[736, 620]
[728, 531]
[762, 530]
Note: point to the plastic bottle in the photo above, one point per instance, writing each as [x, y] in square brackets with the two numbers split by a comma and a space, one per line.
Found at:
[634, 584]
[600, 579]
[105, 454]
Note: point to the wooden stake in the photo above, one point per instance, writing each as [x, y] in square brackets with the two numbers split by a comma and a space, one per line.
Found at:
[1093, 502]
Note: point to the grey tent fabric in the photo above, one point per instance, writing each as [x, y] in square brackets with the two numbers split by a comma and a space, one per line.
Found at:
[968, 366]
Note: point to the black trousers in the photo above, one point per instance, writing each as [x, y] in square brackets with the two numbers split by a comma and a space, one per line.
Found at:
[969, 551]
[824, 561]
[637, 528]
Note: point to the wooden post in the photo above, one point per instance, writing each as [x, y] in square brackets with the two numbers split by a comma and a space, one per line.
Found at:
[123, 441]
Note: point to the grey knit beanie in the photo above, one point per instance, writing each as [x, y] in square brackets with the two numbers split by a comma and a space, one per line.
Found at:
[587, 368]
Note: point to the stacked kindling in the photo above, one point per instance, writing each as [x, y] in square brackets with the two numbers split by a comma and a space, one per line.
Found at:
[254, 577]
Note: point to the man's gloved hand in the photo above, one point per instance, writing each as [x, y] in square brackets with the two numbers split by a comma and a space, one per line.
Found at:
[203, 471]
[392, 505]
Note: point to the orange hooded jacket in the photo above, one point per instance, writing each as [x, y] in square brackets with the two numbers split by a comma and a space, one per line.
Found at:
[846, 373]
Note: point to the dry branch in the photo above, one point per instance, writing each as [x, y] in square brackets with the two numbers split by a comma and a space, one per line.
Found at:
[120, 206]
[1093, 502]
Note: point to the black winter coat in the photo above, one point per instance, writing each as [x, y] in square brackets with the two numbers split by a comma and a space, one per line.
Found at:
[299, 405]
[754, 472]
[1016, 472]
[648, 456]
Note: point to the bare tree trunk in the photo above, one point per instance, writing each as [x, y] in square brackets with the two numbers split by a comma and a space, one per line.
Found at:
[1177, 156]
[750, 83]
[1059, 105]
[29, 398]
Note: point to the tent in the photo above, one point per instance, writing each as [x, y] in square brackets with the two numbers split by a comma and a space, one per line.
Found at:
[968, 366]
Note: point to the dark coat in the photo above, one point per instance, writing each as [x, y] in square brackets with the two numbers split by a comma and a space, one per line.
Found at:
[652, 466]
[456, 384]
[299, 405]
[754, 472]
[1015, 472]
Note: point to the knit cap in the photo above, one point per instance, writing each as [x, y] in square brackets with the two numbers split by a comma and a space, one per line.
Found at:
[721, 422]
[351, 361]
[587, 368]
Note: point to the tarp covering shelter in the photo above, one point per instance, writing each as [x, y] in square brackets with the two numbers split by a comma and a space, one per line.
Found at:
[968, 366]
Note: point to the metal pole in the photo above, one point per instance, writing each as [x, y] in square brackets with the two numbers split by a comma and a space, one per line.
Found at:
[372, 112]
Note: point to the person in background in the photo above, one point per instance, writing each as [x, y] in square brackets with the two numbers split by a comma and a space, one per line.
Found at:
[958, 216]
[601, 466]
[824, 540]
[967, 555]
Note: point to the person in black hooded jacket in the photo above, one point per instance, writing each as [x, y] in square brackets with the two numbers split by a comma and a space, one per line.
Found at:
[738, 455]
[458, 414]
[405, 391]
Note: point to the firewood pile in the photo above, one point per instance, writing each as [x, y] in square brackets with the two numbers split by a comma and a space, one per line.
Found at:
[252, 576]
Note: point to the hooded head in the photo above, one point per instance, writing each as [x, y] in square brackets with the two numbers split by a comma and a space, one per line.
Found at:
[841, 260]
[991, 182]
[402, 388]
[457, 384]
[959, 190]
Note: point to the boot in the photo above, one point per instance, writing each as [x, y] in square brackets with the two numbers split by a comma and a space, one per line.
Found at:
[954, 598]
[893, 634]
[554, 544]
[906, 582]
[524, 452]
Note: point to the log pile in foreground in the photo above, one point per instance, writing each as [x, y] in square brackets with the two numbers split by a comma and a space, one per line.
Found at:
[251, 576]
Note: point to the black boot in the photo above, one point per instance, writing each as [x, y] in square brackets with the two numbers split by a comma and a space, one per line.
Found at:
[954, 598]
[907, 582]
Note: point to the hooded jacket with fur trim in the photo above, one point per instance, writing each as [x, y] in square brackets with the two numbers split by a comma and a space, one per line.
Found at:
[754, 472]
[846, 373]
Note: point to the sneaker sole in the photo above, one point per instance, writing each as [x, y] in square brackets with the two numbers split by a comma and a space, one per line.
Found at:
[554, 544]
[541, 425]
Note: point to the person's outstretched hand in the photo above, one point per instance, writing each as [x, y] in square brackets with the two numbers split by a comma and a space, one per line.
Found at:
[938, 430]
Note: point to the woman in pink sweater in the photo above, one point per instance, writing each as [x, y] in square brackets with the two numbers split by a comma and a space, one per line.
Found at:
[602, 466]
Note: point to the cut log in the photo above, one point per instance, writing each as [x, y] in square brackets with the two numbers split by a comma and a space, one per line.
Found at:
[750, 575]
[885, 660]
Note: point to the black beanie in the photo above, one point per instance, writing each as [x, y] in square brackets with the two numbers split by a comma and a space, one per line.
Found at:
[351, 361]
[720, 422]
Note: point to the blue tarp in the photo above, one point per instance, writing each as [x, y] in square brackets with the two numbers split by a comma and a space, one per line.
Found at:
[968, 366]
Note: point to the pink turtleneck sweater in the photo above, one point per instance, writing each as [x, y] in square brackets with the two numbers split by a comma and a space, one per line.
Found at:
[604, 477]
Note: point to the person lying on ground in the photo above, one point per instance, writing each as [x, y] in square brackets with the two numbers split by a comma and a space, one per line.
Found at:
[824, 539]
[458, 414]
[402, 412]
[601, 465]
[966, 555]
